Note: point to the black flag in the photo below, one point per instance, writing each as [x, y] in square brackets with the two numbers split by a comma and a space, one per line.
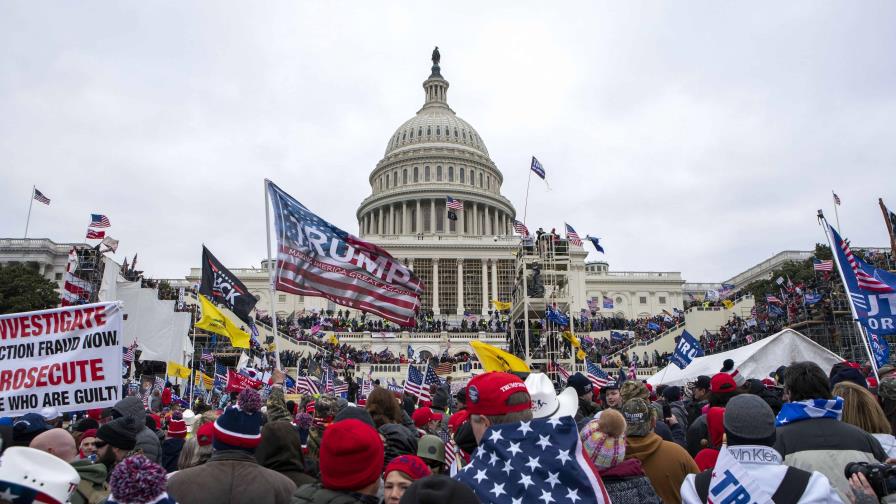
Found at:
[220, 285]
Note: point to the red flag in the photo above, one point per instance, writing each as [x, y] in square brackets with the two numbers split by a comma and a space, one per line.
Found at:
[237, 382]
[93, 234]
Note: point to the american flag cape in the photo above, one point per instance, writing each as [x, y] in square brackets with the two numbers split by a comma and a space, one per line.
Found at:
[315, 258]
[534, 461]
[414, 384]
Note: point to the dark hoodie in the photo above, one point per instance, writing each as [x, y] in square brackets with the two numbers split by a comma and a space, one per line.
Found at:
[399, 441]
[147, 440]
[281, 450]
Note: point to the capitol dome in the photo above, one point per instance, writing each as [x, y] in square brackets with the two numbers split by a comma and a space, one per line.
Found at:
[431, 157]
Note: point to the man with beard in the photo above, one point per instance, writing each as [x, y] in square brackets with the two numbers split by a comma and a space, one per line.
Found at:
[115, 441]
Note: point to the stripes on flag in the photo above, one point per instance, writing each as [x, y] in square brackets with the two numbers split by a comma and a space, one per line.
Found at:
[414, 384]
[520, 228]
[315, 258]
[836, 198]
[598, 377]
[773, 299]
[39, 196]
[307, 385]
[454, 204]
[129, 352]
[444, 368]
[95, 235]
[818, 265]
[572, 236]
[207, 356]
[99, 221]
[866, 282]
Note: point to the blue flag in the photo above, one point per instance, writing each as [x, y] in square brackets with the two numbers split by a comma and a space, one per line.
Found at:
[811, 299]
[596, 243]
[653, 326]
[775, 310]
[557, 317]
[617, 336]
[880, 348]
[537, 168]
[687, 348]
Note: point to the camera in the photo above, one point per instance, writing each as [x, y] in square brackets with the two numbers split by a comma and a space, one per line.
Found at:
[881, 477]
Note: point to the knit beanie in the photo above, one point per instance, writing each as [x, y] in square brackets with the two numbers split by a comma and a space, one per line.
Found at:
[239, 427]
[438, 489]
[411, 465]
[604, 439]
[177, 429]
[356, 413]
[205, 434]
[351, 455]
[138, 480]
[749, 420]
[120, 433]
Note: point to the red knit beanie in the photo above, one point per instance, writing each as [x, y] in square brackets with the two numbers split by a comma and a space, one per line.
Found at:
[351, 455]
[411, 465]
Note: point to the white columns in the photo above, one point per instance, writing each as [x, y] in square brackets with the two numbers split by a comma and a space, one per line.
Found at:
[495, 280]
[475, 218]
[460, 286]
[432, 216]
[484, 287]
[488, 222]
[435, 287]
[404, 217]
[419, 218]
[445, 220]
[379, 224]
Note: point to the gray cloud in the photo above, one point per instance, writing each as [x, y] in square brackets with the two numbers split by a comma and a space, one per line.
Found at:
[696, 137]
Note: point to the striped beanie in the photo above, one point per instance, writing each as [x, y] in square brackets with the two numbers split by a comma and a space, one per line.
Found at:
[239, 427]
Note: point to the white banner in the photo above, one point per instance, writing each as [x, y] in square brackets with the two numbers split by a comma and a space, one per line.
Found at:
[68, 358]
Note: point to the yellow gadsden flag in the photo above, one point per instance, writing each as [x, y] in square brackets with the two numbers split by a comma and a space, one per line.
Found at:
[729, 304]
[177, 371]
[495, 359]
[501, 305]
[215, 322]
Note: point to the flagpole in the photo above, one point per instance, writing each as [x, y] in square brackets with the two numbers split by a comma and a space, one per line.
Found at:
[193, 363]
[852, 307]
[31, 204]
[267, 221]
[890, 230]
[526, 311]
[526, 203]
[837, 214]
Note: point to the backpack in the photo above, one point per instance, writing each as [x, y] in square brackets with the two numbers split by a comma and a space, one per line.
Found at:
[788, 492]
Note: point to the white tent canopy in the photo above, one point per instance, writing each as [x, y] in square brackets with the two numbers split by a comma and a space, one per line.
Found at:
[755, 360]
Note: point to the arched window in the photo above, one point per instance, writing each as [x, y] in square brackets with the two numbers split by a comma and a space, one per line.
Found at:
[480, 179]
[462, 180]
[416, 174]
[455, 132]
[420, 131]
[412, 133]
[404, 136]
[439, 173]
[387, 181]
[438, 130]
[395, 178]
[404, 176]
[428, 130]
[426, 174]
[488, 182]
[472, 177]
[450, 174]
[464, 133]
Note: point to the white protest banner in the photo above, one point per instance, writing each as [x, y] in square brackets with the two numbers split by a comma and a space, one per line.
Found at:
[68, 358]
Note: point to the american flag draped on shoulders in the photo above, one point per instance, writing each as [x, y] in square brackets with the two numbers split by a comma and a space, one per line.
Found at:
[316, 258]
[534, 461]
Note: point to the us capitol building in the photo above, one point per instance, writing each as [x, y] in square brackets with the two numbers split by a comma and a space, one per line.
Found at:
[467, 262]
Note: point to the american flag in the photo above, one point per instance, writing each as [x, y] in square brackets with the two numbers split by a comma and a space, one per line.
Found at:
[836, 198]
[431, 377]
[537, 168]
[220, 376]
[366, 386]
[819, 265]
[307, 385]
[633, 370]
[773, 299]
[534, 461]
[597, 375]
[560, 370]
[207, 356]
[95, 235]
[453, 204]
[159, 383]
[520, 228]
[129, 352]
[414, 384]
[444, 368]
[315, 258]
[99, 221]
[451, 454]
[39, 196]
[572, 236]
[340, 387]
[865, 281]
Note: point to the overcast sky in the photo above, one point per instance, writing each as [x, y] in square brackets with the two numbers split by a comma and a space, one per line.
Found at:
[698, 137]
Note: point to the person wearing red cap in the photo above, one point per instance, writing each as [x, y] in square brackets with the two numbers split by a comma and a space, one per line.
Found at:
[427, 421]
[351, 461]
[722, 388]
[497, 398]
[400, 474]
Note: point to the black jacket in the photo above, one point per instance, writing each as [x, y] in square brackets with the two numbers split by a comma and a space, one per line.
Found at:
[316, 494]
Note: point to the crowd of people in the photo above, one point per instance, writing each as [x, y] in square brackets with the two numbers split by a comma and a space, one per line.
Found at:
[801, 434]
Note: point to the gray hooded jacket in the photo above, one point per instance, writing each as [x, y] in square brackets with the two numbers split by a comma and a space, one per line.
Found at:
[147, 440]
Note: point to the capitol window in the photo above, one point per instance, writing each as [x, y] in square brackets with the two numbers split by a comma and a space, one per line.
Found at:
[412, 134]
[462, 176]
[472, 178]
[416, 175]
[387, 181]
[426, 174]
[662, 299]
[480, 180]
[395, 178]
[450, 174]
[455, 132]
[428, 130]
[404, 176]
[404, 136]
[438, 131]
[420, 131]
[643, 299]
[488, 182]
[464, 133]
[439, 173]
